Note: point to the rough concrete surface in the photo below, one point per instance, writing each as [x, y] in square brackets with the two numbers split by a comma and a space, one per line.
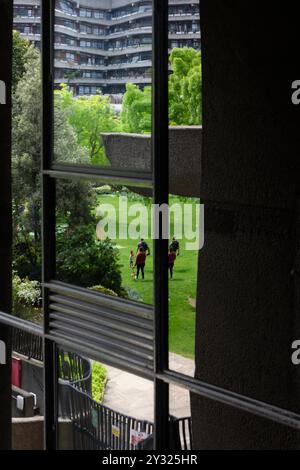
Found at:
[248, 296]
[133, 152]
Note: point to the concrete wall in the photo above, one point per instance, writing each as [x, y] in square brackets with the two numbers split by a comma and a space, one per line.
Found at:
[28, 434]
[32, 379]
[248, 292]
[133, 152]
[28, 408]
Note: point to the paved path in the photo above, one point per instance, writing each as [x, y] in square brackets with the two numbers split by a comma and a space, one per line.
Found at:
[133, 395]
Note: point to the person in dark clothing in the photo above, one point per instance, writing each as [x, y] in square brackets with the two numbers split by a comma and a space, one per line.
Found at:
[140, 262]
[171, 261]
[175, 246]
[142, 244]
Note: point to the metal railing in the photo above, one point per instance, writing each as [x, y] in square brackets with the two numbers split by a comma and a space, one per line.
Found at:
[27, 344]
[95, 425]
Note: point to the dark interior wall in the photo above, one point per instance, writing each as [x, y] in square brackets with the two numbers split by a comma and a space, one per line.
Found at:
[247, 312]
[5, 215]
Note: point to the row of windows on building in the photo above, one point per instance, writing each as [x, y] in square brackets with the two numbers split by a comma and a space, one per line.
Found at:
[69, 8]
[179, 27]
[82, 90]
[122, 43]
[89, 59]
[83, 59]
[104, 75]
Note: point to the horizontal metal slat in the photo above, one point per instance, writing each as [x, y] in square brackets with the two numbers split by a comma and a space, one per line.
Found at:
[107, 331]
[103, 322]
[99, 339]
[141, 369]
[110, 302]
[96, 350]
[116, 331]
[132, 320]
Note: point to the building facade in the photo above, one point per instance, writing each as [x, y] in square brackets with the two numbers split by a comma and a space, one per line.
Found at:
[102, 45]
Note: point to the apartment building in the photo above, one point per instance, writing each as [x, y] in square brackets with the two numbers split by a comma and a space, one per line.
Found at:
[100, 45]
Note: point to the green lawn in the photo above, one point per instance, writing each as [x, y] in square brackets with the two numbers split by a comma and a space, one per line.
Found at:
[181, 288]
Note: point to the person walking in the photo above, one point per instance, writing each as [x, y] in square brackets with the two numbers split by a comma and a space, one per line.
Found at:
[140, 262]
[142, 244]
[171, 261]
[175, 246]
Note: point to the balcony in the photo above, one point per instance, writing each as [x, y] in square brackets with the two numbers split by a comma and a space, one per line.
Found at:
[27, 19]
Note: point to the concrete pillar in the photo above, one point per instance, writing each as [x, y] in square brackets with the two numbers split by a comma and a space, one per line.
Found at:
[247, 288]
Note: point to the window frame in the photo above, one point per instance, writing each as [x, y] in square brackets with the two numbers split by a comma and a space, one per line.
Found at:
[162, 376]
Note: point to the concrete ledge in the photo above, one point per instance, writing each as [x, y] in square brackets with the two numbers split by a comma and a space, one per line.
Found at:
[133, 151]
[28, 434]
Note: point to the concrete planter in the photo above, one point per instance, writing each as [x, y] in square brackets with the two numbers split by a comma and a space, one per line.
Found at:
[133, 152]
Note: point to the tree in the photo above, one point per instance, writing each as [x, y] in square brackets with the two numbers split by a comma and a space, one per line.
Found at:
[89, 116]
[185, 87]
[26, 164]
[20, 48]
[185, 95]
[136, 109]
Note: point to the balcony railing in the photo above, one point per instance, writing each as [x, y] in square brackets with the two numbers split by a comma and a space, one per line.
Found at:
[95, 426]
[27, 344]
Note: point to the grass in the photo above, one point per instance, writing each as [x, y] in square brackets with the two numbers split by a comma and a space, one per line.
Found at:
[181, 288]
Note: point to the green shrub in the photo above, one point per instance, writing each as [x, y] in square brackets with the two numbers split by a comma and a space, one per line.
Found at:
[99, 378]
[103, 290]
[27, 297]
[85, 261]
[27, 256]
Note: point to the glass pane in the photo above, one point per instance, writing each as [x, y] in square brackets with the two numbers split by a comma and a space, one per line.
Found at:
[184, 161]
[104, 239]
[102, 408]
[26, 162]
[102, 78]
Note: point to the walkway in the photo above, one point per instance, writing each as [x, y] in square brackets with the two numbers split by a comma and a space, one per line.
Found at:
[132, 395]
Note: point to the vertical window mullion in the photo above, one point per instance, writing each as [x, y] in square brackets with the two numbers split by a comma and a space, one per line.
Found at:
[48, 223]
[6, 24]
[160, 149]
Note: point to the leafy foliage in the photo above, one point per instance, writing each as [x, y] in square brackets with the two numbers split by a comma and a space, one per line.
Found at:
[85, 261]
[185, 95]
[99, 378]
[20, 48]
[26, 161]
[89, 116]
[136, 109]
[185, 87]
[26, 164]
[26, 296]
[103, 290]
